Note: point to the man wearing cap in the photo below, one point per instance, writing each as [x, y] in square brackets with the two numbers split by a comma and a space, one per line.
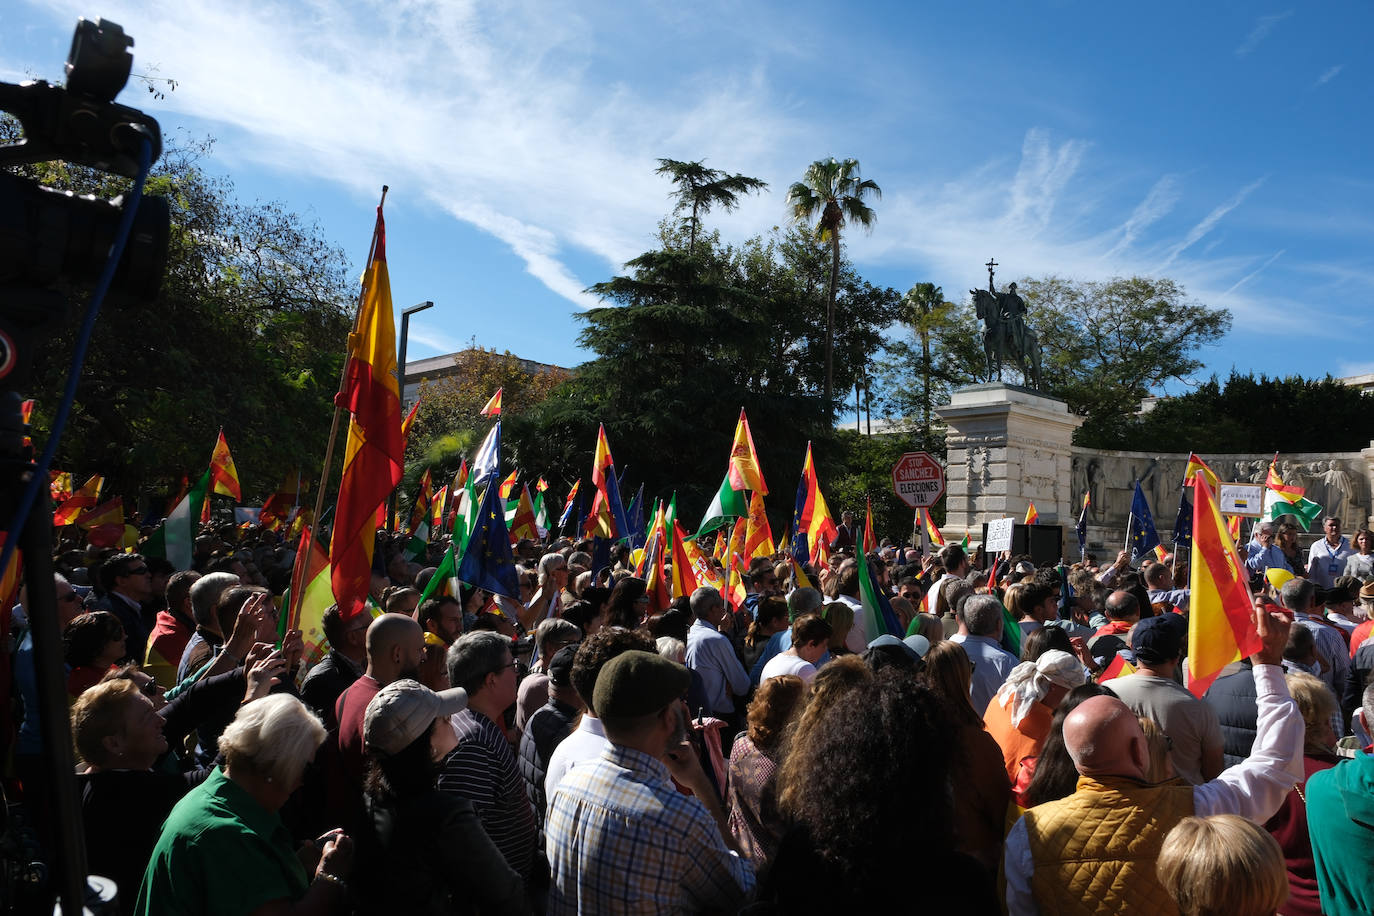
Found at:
[547, 727]
[1191, 724]
[482, 769]
[621, 838]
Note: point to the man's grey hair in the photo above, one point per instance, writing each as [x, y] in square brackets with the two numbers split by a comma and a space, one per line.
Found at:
[474, 656]
[704, 599]
[205, 595]
[1296, 595]
[804, 601]
[548, 563]
[555, 631]
[1367, 702]
[982, 615]
[957, 593]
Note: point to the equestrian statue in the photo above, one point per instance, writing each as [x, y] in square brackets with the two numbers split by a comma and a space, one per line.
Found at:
[1005, 333]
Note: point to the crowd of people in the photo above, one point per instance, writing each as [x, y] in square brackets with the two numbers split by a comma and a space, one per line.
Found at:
[1028, 743]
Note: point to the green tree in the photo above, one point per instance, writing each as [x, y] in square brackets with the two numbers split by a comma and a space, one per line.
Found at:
[1107, 344]
[832, 194]
[939, 351]
[699, 189]
[1257, 414]
[247, 333]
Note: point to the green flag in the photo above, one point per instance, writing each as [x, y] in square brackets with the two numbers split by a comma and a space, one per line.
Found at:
[728, 503]
[175, 539]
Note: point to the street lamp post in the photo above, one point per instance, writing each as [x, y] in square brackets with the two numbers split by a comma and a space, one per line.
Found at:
[401, 386]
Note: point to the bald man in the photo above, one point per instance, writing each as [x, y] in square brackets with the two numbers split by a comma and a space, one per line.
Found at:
[1095, 850]
[395, 649]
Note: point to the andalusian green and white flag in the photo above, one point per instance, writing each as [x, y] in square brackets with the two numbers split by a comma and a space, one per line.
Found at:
[175, 540]
[728, 503]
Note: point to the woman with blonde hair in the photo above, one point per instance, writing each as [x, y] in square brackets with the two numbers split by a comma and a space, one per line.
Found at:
[840, 616]
[224, 847]
[1288, 826]
[1222, 866]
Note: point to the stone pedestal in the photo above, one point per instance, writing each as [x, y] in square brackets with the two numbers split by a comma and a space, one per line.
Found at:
[1007, 446]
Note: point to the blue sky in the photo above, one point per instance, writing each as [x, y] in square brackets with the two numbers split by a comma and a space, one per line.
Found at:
[1222, 144]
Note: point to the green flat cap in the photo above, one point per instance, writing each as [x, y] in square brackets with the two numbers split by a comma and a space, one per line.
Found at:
[637, 683]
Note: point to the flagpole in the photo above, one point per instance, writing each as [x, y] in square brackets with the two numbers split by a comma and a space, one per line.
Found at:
[294, 618]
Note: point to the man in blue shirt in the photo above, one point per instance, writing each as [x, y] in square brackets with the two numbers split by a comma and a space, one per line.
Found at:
[712, 655]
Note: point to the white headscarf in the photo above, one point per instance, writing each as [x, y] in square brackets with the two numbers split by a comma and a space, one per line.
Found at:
[1030, 681]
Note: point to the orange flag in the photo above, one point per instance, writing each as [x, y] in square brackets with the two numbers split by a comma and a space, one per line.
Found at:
[1221, 625]
[493, 408]
[758, 536]
[375, 455]
[224, 477]
[745, 473]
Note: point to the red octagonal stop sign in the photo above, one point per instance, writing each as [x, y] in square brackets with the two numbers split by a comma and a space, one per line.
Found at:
[918, 479]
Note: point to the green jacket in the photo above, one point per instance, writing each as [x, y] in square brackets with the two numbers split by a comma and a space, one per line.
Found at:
[1340, 820]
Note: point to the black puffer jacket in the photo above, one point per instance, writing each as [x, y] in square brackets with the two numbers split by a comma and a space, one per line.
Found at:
[1233, 699]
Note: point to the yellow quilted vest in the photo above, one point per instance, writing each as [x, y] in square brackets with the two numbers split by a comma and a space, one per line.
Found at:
[1095, 851]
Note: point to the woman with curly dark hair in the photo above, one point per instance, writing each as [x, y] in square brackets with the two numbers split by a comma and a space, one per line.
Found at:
[751, 797]
[862, 789]
[629, 603]
[978, 779]
[91, 644]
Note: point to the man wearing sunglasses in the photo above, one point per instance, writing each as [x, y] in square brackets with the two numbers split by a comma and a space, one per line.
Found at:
[128, 583]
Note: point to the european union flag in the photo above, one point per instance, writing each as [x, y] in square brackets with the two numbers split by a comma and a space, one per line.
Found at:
[800, 548]
[1081, 528]
[1141, 536]
[635, 514]
[487, 561]
[1183, 525]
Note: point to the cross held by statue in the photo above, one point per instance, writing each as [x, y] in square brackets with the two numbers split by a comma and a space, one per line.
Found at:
[990, 265]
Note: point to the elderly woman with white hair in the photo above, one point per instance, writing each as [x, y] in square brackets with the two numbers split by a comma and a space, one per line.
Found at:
[224, 849]
[1019, 716]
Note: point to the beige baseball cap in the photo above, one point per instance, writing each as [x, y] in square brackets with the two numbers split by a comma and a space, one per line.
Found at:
[403, 710]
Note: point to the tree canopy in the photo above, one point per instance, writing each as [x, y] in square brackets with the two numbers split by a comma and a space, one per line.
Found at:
[247, 334]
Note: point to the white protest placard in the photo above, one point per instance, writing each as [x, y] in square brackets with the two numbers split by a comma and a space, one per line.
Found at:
[1245, 499]
[999, 534]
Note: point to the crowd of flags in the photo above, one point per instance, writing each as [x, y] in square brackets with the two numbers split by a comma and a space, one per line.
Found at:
[485, 517]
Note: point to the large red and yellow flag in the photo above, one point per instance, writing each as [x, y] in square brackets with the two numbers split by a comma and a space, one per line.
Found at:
[1274, 482]
[736, 591]
[745, 473]
[758, 536]
[815, 516]
[83, 499]
[524, 524]
[224, 477]
[375, 455]
[1195, 465]
[493, 408]
[1221, 625]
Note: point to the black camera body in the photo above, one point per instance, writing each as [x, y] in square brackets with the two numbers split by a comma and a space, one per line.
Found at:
[51, 240]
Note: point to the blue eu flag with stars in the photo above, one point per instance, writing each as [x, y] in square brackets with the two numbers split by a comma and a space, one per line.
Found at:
[487, 561]
[1141, 536]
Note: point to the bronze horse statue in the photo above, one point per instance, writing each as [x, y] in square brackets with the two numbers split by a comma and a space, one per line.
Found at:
[1007, 337]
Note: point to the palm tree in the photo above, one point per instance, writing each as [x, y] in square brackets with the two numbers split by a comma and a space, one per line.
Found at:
[832, 193]
[700, 189]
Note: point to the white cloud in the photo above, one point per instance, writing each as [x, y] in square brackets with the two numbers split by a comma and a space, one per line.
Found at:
[1263, 26]
[1154, 207]
[1329, 74]
[1208, 223]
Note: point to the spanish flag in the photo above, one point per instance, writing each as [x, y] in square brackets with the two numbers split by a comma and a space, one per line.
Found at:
[745, 473]
[932, 532]
[310, 582]
[508, 484]
[375, 455]
[409, 421]
[1197, 465]
[224, 477]
[758, 536]
[493, 408]
[815, 516]
[1031, 515]
[1119, 667]
[607, 515]
[83, 499]
[1220, 614]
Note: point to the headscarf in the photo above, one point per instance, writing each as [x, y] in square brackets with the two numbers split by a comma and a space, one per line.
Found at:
[1030, 681]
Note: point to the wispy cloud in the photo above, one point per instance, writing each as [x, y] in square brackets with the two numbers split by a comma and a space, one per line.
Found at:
[1208, 222]
[1329, 74]
[1154, 207]
[1263, 26]
[1254, 273]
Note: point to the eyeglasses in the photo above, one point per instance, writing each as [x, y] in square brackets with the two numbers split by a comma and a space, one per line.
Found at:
[151, 689]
